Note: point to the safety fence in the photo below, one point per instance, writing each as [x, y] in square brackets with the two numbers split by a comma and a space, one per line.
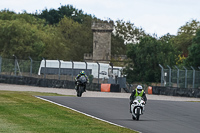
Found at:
[180, 78]
[56, 73]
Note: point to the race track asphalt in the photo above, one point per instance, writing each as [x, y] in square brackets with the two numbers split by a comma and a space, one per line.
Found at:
[159, 116]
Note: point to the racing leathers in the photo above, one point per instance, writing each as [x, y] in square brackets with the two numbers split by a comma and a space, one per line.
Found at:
[77, 77]
[134, 94]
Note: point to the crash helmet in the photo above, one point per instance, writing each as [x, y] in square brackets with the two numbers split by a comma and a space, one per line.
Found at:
[139, 88]
[82, 72]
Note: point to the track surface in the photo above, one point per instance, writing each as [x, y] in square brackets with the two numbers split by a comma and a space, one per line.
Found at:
[159, 116]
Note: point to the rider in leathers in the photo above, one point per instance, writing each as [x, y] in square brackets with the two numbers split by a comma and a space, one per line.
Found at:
[137, 92]
[82, 73]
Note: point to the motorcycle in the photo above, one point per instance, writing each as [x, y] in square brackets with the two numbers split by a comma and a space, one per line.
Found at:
[81, 83]
[137, 108]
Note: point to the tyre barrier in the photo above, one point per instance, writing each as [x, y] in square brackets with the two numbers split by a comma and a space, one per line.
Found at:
[174, 91]
[105, 87]
[149, 90]
[110, 88]
[52, 83]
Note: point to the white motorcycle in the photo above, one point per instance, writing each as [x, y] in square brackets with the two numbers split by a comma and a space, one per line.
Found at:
[137, 108]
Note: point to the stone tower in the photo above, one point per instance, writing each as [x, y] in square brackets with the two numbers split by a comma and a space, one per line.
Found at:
[102, 41]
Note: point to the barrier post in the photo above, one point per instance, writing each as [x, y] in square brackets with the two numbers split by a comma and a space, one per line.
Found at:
[31, 66]
[170, 73]
[98, 72]
[15, 65]
[86, 67]
[162, 75]
[193, 77]
[59, 69]
[185, 76]
[177, 76]
[72, 70]
[111, 64]
[44, 68]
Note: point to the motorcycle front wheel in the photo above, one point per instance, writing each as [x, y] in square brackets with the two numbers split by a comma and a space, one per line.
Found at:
[80, 91]
[138, 114]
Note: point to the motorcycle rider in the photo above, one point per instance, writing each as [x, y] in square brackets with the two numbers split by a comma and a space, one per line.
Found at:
[82, 73]
[137, 92]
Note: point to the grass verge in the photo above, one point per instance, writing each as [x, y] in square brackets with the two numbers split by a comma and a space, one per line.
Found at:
[21, 112]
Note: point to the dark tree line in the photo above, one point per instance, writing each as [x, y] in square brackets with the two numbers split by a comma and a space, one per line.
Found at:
[65, 33]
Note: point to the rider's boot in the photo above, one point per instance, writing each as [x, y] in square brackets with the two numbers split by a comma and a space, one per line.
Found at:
[130, 107]
[76, 87]
[84, 89]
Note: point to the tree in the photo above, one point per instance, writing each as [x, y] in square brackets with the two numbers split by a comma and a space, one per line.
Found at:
[19, 38]
[145, 59]
[193, 58]
[24, 35]
[77, 40]
[128, 31]
[117, 45]
[185, 36]
[54, 16]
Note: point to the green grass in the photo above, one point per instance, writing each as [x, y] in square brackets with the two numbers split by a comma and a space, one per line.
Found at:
[21, 112]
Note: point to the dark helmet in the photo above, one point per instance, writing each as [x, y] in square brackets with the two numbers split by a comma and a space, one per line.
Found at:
[82, 72]
[139, 88]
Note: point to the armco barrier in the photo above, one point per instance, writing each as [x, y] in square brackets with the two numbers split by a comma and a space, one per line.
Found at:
[173, 91]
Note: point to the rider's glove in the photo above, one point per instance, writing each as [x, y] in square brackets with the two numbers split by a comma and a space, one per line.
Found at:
[88, 81]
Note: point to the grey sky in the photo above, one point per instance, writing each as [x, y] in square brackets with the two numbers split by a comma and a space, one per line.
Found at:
[154, 16]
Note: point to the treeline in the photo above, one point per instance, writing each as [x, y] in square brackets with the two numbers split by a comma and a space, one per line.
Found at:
[180, 50]
[65, 33]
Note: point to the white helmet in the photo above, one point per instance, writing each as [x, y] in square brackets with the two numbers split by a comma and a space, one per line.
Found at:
[139, 88]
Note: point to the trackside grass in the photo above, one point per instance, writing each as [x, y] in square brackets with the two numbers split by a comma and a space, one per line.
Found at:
[21, 112]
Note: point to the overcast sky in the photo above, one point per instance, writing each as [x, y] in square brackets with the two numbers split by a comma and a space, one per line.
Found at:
[154, 16]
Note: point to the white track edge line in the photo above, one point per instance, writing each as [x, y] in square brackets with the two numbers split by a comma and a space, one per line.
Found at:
[79, 112]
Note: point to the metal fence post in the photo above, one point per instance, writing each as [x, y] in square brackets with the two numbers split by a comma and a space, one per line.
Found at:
[111, 64]
[98, 72]
[185, 76]
[31, 66]
[85, 66]
[193, 77]
[0, 64]
[44, 68]
[59, 69]
[170, 73]
[177, 76]
[72, 69]
[162, 75]
[15, 64]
